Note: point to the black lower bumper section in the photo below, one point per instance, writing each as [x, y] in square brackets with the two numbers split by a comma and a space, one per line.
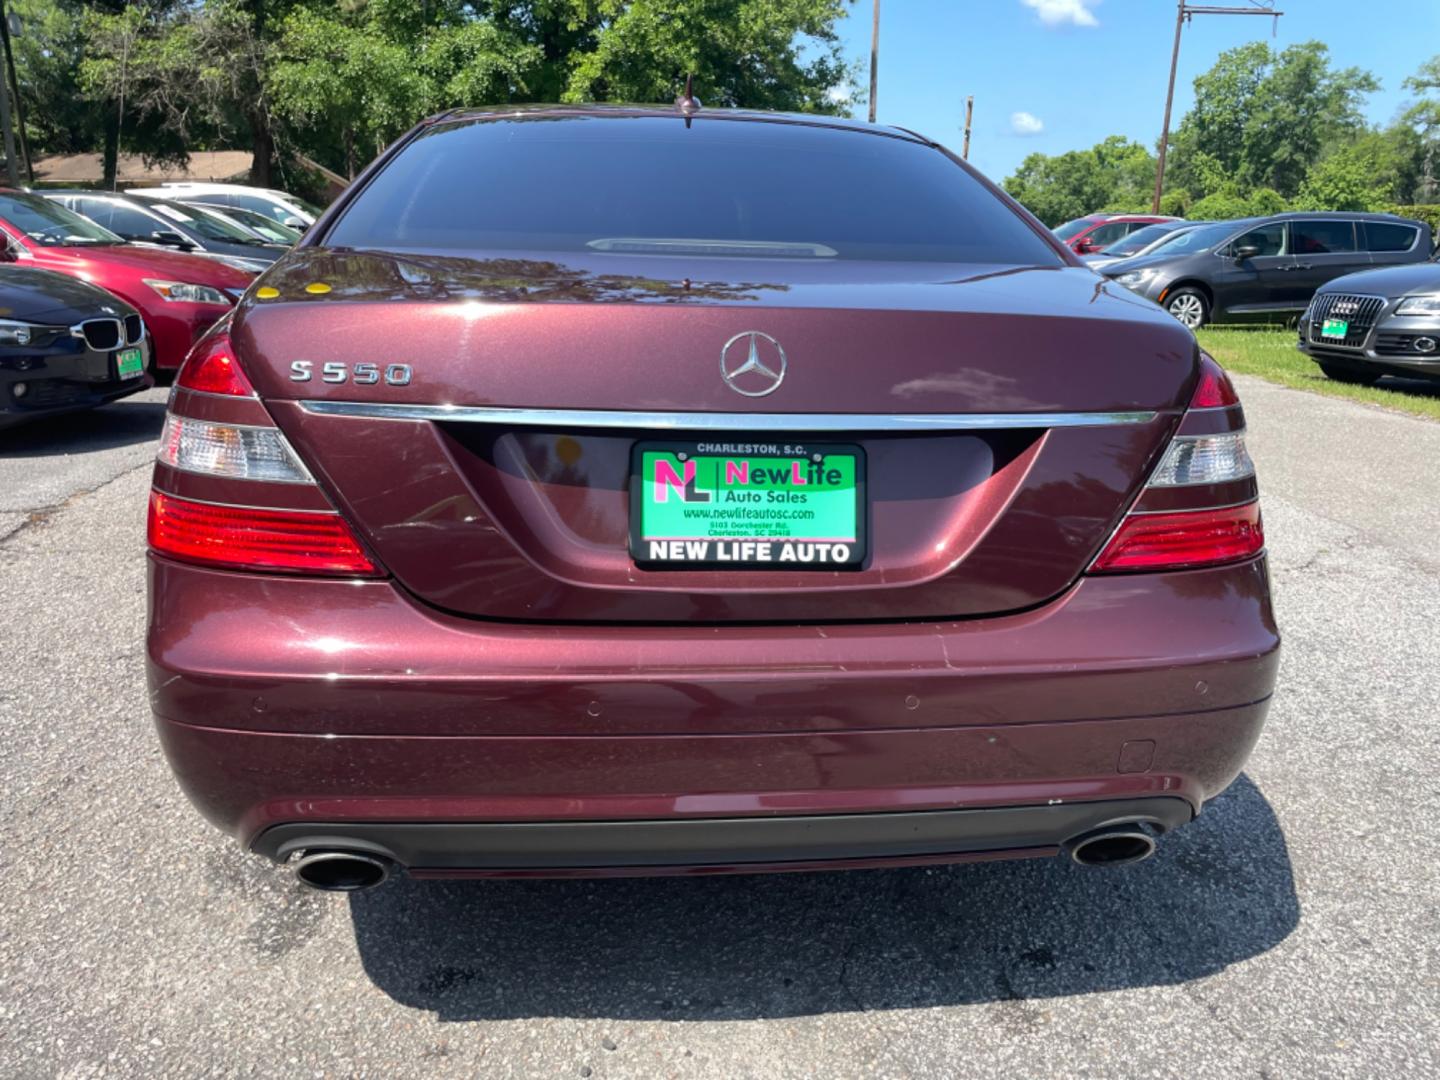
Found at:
[600, 845]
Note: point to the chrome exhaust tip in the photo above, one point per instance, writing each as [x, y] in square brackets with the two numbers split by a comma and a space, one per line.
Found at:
[341, 871]
[1116, 846]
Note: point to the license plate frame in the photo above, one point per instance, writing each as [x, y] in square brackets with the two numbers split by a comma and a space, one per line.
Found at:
[129, 363]
[1335, 329]
[730, 551]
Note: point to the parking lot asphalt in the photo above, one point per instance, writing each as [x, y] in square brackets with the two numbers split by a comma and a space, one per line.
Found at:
[1293, 930]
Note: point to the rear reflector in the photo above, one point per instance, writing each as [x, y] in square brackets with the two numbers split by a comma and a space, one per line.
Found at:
[1204, 459]
[289, 541]
[236, 451]
[1175, 540]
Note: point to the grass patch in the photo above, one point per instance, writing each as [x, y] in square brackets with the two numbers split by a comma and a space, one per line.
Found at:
[1270, 353]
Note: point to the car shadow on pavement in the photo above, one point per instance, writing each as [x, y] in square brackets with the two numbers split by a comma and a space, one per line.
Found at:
[120, 423]
[1219, 891]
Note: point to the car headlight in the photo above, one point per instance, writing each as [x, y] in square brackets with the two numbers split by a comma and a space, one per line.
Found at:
[1428, 304]
[1136, 277]
[16, 333]
[188, 292]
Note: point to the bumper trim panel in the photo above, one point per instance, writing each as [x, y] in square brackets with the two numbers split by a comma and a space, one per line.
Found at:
[679, 843]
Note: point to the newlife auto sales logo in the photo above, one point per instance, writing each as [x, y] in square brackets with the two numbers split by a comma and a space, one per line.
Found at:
[757, 504]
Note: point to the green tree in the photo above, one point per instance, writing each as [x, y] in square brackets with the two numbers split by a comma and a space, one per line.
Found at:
[1262, 119]
[1116, 174]
[358, 82]
[1423, 119]
[1302, 108]
[771, 54]
[335, 80]
[1370, 173]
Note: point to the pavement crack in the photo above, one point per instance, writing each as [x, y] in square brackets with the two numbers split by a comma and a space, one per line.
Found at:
[41, 515]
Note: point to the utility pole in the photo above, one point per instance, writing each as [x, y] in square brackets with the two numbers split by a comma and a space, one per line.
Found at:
[969, 114]
[12, 175]
[1183, 13]
[5, 34]
[874, 58]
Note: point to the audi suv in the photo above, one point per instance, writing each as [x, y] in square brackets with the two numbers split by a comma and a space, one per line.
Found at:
[1362, 327]
[780, 496]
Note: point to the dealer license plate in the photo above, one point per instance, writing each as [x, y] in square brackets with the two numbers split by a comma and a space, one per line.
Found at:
[1334, 328]
[129, 363]
[734, 504]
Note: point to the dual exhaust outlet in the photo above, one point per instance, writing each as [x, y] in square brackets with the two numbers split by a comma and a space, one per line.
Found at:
[354, 871]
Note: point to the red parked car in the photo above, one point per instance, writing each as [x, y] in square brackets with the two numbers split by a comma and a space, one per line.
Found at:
[179, 295]
[813, 507]
[1096, 232]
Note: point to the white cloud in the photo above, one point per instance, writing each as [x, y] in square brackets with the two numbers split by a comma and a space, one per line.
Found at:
[1024, 123]
[1061, 12]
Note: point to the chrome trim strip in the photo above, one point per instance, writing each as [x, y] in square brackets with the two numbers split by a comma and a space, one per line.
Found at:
[719, 421]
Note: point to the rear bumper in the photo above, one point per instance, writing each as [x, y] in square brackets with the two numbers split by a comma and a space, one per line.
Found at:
[292, 709]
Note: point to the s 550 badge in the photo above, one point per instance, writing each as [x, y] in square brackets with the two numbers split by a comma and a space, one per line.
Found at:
[359, 374]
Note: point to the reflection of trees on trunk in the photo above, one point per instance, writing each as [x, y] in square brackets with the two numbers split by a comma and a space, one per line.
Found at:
[355, 275]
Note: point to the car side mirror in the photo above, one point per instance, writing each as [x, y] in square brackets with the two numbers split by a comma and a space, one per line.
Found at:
[1085, 247]
[1246, 251]
[7, 253]
[294, 223]
[170, 238]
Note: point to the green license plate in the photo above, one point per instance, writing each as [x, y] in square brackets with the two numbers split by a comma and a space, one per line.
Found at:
[747, 505]
[129, 363]
[1336, 328]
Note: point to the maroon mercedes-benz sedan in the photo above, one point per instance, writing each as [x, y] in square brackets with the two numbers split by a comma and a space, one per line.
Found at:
[620, 491]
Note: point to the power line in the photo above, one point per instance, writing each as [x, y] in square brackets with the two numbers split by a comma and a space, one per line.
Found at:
[1183, 13]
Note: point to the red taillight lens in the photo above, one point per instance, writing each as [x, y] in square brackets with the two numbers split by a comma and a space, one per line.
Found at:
[1214, 390]
[1181, 539]
[211, 369]
[290, 541]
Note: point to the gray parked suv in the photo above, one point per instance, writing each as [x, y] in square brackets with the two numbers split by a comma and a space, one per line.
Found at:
[1261, 267]
[1380, 322]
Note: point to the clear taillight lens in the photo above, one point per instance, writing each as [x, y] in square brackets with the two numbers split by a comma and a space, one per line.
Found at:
[1180, 527]
[1204, 459]
[233, 451]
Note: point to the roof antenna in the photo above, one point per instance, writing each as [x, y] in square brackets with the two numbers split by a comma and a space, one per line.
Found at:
[688, 103]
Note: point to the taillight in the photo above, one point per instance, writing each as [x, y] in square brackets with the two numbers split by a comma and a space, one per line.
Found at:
[1183, 539]
[249, 501]
[1199, 507]
[211, 369]
[294, 541]
[1214, 390]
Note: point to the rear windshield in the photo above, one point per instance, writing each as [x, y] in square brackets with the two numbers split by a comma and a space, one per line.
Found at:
[1138, 240]
[652, 186]
[1070, 228]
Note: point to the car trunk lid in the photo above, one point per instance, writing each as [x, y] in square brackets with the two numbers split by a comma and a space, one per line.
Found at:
[1005, 419]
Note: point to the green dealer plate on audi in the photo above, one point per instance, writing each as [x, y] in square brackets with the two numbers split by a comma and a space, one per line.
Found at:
[741, 505]
[1336, 328]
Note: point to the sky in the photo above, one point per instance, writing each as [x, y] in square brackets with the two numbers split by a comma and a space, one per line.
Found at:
[1057, 75]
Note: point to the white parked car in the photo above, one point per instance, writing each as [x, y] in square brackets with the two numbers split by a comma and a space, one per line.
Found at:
[1140, 242]
[277, 205]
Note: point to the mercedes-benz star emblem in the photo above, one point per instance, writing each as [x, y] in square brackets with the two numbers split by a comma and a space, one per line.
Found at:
[752, 363]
